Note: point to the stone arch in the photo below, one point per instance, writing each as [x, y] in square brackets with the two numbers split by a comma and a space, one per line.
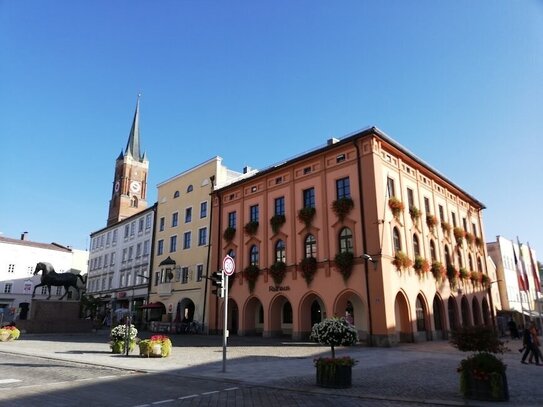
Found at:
[422, 319]
[279, 324]
[404, 331]
[439, 318]
[466, 312]
[185, 311]
[253, 317]
[311, 311]
[477, 319]
[349, 301]
[452, 313]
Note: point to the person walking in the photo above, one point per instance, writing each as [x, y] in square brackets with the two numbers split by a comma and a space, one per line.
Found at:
[528, 342]
[535, 340]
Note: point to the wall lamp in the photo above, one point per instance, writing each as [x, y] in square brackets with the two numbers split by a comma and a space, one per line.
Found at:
[369, 258]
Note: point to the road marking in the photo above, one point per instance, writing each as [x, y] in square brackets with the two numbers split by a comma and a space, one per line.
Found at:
[210, 392]
[6, 381]
[231, 388]
[163, 401]
[188, 397]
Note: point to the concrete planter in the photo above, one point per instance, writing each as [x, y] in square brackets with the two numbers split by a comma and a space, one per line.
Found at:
[334, 376]
[494, 388]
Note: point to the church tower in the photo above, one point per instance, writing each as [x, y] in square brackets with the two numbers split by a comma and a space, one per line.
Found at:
[129, 192]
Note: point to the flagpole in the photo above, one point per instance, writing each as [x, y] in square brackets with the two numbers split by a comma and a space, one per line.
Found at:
[537, 284]
[520, 282]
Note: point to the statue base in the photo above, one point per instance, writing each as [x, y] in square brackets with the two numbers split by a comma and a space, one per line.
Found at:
[50, 316]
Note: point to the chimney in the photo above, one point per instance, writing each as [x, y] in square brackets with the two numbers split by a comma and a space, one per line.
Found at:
[331, 141]
[247, 169]
[24, 235]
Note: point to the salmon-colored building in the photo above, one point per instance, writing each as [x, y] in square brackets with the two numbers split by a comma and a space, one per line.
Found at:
[360, 228]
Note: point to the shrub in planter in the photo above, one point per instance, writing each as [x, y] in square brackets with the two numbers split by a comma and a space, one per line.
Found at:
[251, 275]
[344, 261]
[459, 235]
[119, 336]
[431, 221]
[306, 215]
[396, 206]
[421, 265]
[464, 273]
[482, 374]
[401, 261]
[157, 346]
[229, 233]
[9, 333]
[438, 270]
[446, 227]
[251, 227]
[452, 275]
[415, 213]
[475, 278]
[485, 280]
[334, 372]
[278, 270]
[309, 268]
[342, 207]
[276, 221]
[479, 242]
[470, 238]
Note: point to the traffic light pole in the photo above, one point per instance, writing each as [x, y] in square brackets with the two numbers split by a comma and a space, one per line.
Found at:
[225, 326]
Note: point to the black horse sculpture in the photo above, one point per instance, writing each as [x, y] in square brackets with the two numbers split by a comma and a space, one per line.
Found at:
[49, 277]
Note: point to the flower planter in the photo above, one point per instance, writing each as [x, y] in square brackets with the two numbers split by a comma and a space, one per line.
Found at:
[494, 388]
[156, 349]
[334, 376]
[5, 337]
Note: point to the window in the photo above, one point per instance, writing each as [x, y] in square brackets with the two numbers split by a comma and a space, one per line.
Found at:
[112, 259]
[133, 228]
[474, 228]
[140, 225]
[459, 257]
[416, 245]
[184, 275]
[203, 210]
[175, 219]
[396, 239]
[202, 237]
[453, 217]
[309, 198]
[441, 214]
[130, 252]
[176, 194]
[280, 251]
[433, 254]
[470, 262]
[410, 198]
[189, 189]
[59, 290]
[343, 188]
[346, 241]
[173, 243]
[134, 202]
[447, 257]
[479, 265]
[465, 224]
[186, 240]
[188, 215]
[11, 268]
[125, 254]
[232, 253]
[421, 324]
[253, 213]
[161, 224]
[146, 248]
[310, 246]
[199, 272]
[44, 289]
[160, 247]
[390, 188]
[279, 205]
[148, 221]
[138, 250]
[340, 158]
[427, 205]
[253, 256]
[7, 288]
[126, 231]
[232, 220]
[108, 238]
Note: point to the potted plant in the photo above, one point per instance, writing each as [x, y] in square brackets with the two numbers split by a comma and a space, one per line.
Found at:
[229, 233]
[9, 333]
[437, 270]
[415, 213]
[446, 227]
[251, 275]
[334, 372]
[158, 346]
[342, 207]
[452, 275]
[396, 206]
[421, 265]
[276, 221]
[251, 227]
[309, 268]
[482, 374]
[485, 280]
[119, 335]
[459, 235]
[475, 278]
[464, 273]
[344, 261]
[306, 215]
[431, 221]
[479, 242]
[470, 238]
[278, 270]
[401, 261]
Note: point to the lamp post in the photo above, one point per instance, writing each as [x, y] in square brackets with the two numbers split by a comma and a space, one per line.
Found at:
[148, 290]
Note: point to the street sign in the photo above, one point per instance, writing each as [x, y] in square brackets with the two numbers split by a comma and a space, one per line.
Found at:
[228, 265]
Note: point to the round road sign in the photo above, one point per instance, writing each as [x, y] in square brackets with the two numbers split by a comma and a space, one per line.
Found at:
[228, 265]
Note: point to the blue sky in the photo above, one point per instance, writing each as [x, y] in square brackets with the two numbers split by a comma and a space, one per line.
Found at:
[459, 83]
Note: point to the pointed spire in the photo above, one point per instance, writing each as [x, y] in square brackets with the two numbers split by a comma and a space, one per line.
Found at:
[133, 145]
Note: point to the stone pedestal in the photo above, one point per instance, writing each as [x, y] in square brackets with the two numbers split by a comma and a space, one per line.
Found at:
[50, 316]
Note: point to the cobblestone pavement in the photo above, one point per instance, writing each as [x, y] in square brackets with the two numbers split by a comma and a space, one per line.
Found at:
[409, 374]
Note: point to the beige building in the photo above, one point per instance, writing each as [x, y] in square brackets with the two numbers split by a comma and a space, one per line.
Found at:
[180, 264]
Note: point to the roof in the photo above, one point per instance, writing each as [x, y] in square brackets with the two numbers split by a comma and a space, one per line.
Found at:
[370, 131]
[29, 243]
[133, 144]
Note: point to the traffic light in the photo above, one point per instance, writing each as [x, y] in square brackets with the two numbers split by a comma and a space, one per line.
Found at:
[217, 280]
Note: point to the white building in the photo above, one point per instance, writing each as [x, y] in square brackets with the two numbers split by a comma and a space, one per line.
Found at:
[18, 259]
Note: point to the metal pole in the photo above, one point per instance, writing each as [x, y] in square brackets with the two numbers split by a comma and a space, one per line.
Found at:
[225, 326]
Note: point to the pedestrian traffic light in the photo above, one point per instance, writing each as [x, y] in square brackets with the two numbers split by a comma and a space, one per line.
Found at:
[217, 280]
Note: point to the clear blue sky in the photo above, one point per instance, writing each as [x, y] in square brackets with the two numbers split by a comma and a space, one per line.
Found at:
[459, 83]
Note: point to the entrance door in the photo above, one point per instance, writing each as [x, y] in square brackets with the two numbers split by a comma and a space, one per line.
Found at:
[316, 313]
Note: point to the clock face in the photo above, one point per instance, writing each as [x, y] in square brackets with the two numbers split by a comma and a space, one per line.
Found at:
[135, 186]
[117, 186]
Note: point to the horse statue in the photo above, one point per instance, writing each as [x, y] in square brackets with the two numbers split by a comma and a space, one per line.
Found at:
[49, 277]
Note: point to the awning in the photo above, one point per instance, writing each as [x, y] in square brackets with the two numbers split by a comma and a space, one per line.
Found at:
[153, 305]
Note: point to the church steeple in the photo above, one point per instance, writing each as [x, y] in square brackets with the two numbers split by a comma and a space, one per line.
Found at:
[129, 192]
[133, 145]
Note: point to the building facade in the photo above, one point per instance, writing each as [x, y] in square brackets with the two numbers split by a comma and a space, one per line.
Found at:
[360, 228]
[18, 259]
[178, 288]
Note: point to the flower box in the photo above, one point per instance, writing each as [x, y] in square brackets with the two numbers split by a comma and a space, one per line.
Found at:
[9, 333]
[159, 346]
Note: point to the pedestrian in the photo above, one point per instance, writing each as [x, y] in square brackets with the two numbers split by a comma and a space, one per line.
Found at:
[535, 339]
[527, 341]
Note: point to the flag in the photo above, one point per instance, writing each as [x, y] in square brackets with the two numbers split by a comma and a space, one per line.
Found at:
[523, 268]
[520, 279]
[535, 273]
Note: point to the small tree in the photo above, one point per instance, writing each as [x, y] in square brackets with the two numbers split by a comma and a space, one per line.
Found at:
[334, 332]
